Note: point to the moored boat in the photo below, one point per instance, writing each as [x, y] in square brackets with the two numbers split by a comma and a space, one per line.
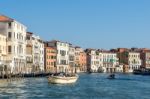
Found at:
[142, 71]
[62, 78]
[137, 72]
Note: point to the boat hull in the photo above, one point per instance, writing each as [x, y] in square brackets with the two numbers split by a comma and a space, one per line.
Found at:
[62, 80]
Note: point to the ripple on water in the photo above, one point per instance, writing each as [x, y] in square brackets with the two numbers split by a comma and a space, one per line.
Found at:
[88, 86]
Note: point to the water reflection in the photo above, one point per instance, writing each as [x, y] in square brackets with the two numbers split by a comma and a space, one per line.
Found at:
[12, 89]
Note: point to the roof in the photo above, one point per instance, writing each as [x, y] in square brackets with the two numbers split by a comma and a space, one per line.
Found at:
[77, 47]
[90, 49]
[29, 33]
[4, 18]
[49, 47]
[130, 51]
[57, 41]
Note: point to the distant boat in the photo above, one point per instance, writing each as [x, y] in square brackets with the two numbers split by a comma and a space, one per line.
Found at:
[137, 72]
[62, 78]
[146, 72]
[111, 76]
[89, 72]
[142, 71]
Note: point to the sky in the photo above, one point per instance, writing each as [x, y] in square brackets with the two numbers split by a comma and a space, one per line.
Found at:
[87, 23]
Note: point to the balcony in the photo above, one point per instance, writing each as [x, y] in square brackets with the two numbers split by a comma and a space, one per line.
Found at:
[21, 41]
[9, 39]
[29, 60]
[29, 42]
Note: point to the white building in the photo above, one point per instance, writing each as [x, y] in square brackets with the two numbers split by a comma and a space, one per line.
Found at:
[15, 33]
[35, 53]
[134, 60]
[101, 68]
[101, 61]
[72, 58]
[110, 61]
[62, 55]
[2, 50]
[93, 60]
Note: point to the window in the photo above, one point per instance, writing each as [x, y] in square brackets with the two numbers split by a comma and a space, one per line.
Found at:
[14, 49]
[62, 52]
[9, 34]
[52, 63]
[17, 35]
[14, 34]
[28, 37]
[63, 62]
[9, 24]
[9, 49]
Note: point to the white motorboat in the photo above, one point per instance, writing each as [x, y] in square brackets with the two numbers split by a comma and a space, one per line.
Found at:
[62, 79]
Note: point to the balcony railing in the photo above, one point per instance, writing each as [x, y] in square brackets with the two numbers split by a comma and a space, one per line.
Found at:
[9, 39]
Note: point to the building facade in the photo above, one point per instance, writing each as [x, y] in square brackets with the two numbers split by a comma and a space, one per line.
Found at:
[77, 56]
[3, 54]
[101, 60]
[83, 62]
[110, 61]
[15, 33]
[131, 60]
[29, 59]
[72, 58]
[50, 59]
[123, 64]
[134, 61]
[34, 53]
[62, 48]
[93, 60]
[79, 59]
[145, 56]
[29, 53]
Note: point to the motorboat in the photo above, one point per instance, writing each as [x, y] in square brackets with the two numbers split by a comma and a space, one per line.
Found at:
[142, 71]
[111, 76]
[62, 78]
[137, 72]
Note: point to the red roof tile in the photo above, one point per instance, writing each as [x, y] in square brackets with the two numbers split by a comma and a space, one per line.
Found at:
[5, 19]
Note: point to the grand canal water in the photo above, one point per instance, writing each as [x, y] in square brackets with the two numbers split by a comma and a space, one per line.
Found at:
[88, 86]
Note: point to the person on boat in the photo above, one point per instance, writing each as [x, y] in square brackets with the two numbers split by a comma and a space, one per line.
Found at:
[111, 76]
